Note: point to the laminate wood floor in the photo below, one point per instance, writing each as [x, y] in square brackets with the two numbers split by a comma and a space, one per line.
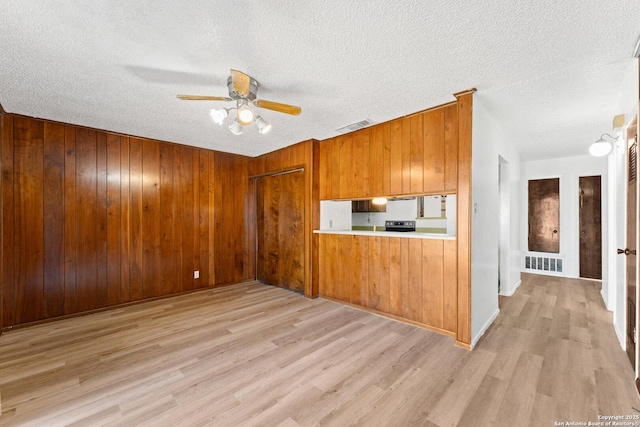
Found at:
[251, 354]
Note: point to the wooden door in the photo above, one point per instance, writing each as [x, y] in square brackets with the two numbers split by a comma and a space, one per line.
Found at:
[590, 227]
[630, 250]
[544, 215]
[280, 230]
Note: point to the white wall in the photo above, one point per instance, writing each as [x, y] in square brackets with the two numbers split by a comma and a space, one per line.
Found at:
[616, 292]
[569, 170]
[489, 144]
[335, 215]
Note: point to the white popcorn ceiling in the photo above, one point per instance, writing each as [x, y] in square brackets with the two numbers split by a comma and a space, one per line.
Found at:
[554, 73]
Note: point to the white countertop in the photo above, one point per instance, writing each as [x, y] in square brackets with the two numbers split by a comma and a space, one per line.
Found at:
[406, 234]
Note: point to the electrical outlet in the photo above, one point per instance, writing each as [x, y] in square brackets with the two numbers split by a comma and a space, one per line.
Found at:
[196, 274]
[330, 223]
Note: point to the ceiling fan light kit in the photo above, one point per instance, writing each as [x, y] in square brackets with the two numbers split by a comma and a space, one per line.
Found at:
[242, 89]
[236, 127]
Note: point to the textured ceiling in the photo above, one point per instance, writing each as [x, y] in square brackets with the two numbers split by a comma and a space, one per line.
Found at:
[553, 73]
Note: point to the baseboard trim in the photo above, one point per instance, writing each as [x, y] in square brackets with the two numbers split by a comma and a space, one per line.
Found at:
[484, 328]
[621, 337]
[605, 299]
[513, 291]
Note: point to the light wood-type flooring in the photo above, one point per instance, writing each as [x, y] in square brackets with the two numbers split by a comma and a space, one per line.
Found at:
[251, 354]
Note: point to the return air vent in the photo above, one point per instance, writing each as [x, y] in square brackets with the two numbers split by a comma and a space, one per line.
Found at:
[543, 264]
[356, 126]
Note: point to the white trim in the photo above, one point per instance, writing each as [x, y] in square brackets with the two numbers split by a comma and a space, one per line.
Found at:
[621, 337]
[484, 328]
[513, 290]
[605, 299]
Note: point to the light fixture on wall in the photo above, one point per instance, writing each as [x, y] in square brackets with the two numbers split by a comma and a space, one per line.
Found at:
[379, 201]
[601, 147]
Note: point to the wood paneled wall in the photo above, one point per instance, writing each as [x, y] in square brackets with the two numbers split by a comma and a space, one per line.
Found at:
[2, 130]
[93, 219]
[304, 155]
[425, 153]
[412, 155]
[412, 279]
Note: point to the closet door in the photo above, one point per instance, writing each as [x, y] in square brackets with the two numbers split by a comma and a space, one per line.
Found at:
[280, 230]
[544, 215]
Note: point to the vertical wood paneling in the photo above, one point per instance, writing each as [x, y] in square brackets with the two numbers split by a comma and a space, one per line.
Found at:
[417, 153]
[332, 267]
[434, 150]
[195, 184]
[395, 157]
[450, 296]
[376, 162]
[114, 220]
[92, 219]
[335, 168]
[323, 264]
[125, 228]
[463, 234]
[87, 219]
[70, 221]
[8, 238]
[385, 271]
[405, 277]
[375, 264]
[346, 167]
[395, 279]
[355, 170]
[150, 218]
[364, 136]
[415, 280]
[101, 220]
[29, 239]
[203, 218]
[345, 273]
[359, 258]
[325, 170]
[406, 154]
[405, 285]
[53, 220]
[433, 282]
[2, 126]
[169, 259]
[135, 223]
[451, 147]
[186, 217]
[386, 158]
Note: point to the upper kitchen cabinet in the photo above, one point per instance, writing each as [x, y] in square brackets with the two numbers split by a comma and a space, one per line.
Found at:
[417, 154]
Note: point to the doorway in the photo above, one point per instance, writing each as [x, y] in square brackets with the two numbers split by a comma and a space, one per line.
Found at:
[630, 250]
[590, 226]
[280, 230]
[544, 215]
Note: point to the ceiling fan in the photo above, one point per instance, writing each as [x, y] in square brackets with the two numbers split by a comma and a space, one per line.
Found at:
[243, 89]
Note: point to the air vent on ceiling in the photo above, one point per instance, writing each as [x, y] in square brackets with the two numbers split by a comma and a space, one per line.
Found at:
[355, 126]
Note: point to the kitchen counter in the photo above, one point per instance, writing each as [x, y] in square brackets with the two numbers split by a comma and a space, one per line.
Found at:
[405, 234]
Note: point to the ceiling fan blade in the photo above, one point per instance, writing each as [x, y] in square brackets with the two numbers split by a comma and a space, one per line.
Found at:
[241, 82]
[276, 106]
[203, 98]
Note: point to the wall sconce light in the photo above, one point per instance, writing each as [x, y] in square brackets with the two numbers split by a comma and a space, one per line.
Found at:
[601, 147]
